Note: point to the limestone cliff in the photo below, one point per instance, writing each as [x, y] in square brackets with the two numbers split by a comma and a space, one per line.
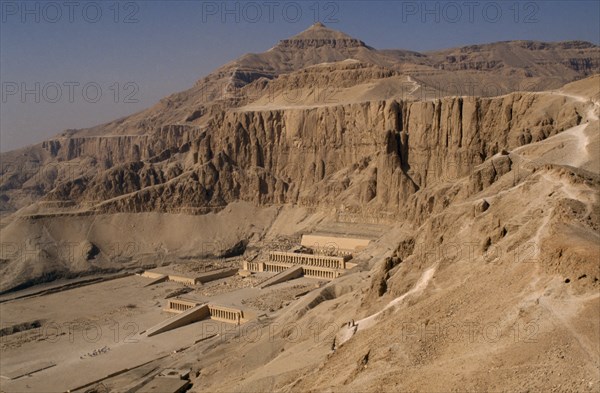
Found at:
[370, 143]
[318, 67]
[378, 153]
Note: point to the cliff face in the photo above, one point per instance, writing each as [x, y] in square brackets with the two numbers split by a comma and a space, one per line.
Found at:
[321, 119]
[113, 150]
[540, 58]
[364, 156]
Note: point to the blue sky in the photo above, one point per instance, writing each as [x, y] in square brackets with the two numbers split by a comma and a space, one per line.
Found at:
[95, 61]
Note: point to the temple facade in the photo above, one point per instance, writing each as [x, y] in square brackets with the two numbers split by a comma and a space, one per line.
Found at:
[216, 312]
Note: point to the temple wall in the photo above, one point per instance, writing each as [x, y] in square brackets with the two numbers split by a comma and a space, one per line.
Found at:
[338, 245]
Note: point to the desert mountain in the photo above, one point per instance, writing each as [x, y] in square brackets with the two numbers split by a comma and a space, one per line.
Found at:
[318, 67]
[484, 205]
[318, 111]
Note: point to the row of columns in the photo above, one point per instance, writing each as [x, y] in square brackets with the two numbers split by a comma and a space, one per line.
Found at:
[331, 252]
[319, 273]
[225, 314]
[253, 266]
[317, 260]
[275, 268]
[180, 306]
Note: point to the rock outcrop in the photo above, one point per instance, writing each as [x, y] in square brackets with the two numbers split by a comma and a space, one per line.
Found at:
[371, 155]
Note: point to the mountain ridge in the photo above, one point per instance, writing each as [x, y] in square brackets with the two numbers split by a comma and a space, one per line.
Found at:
[430, 68]
[304, 127]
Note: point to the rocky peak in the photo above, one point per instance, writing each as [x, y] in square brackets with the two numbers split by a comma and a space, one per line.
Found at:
[318, 35]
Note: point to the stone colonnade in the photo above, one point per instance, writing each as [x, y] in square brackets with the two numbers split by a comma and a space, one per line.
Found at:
[270, 267]
[253, 266]
[180, 306]
[320, 273]
[224, 314]
[308, 259]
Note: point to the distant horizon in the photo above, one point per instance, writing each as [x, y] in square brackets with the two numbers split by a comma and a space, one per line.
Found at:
[138, 53]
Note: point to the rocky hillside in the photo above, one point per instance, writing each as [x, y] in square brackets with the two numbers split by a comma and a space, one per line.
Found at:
[321, 120]
[374, 154]
[483, 275]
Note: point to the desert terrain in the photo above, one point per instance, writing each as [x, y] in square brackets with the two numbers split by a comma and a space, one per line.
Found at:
[473, 218]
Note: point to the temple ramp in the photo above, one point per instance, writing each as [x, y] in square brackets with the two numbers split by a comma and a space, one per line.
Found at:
[154, 277]
[192, 315]
[286, 275]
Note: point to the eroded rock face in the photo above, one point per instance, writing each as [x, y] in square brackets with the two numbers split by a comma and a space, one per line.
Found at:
[378, 153]
[354, 131]
[486, 57]
[371, 155]
[319, 36]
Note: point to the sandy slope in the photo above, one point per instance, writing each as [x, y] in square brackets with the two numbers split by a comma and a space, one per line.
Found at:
[500, 300]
